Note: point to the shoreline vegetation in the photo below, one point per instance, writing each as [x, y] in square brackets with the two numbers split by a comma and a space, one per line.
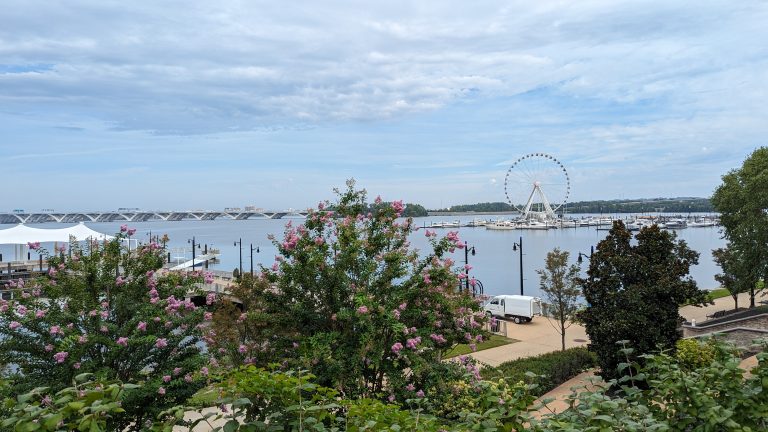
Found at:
[643, 205]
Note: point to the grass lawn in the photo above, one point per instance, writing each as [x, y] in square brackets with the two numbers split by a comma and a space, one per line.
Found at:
[493, 342]
[718, 293]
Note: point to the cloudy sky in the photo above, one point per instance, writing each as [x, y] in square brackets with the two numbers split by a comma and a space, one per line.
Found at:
[207, 104]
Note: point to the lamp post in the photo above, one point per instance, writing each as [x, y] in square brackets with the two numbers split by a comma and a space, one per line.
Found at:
[193, 250]
[257, 251]
[240, 242]
[466, 263]
[515, 246]
[591, 252]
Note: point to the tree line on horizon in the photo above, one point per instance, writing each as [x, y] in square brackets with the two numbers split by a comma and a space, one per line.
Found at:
[667, 205]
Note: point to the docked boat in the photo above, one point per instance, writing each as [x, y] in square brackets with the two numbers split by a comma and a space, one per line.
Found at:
[675, 224]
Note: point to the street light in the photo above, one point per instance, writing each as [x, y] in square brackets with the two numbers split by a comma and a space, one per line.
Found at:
[591, 252]
[257, 251]
[240, 242]
[193, 250]
[466, 263]
[515, 246]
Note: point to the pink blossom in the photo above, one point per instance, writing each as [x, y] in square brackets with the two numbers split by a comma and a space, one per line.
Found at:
[142, 326]
[33, 245]
[161, 391]
[4, 308]
[55, 329]
[420, 393]
[208, 278]
[204, 371]
[93, 313]
[210, 298]
[119, 281]
[319, 241]
[21, 310]
[427, 280]
[122, 341]
[166, 378]
[123, 228]
[14, 325]
[176, 371]
[48, 348]
[391, 398]
[362, 310]
[104, 329]
[156, 319]
[60, 356]
[396, 313]
[398, 207]
[410, 387]
[188, 378]
[242, 317]
[242, 349]
[40, 313]
[76, 365]
[473, 347]
[413, 342]
[161, 343]
[82, 339]
[131, 231]
[104, 314]
[208, 316]
[397, 347]
[402, 306]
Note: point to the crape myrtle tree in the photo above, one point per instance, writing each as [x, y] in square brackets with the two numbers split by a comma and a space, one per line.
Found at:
[350, 301]
[634, 291]
[742, 200]
[560, 284]
[104, 311]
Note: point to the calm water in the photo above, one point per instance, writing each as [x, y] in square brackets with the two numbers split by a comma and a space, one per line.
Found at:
[495, 263]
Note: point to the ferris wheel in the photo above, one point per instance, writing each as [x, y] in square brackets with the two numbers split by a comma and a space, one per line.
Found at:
[537, 185]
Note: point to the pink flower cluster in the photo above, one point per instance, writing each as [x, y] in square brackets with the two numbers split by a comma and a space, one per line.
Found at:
[60, 356]
[438, 338]
[33, 245]
[413, 343]
[397, 347]
[362, 310]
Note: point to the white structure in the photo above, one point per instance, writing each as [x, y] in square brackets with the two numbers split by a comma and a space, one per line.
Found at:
[528, 178]
[22, 234]
[519, 308]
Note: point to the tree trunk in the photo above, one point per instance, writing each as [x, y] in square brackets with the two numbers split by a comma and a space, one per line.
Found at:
[562, 334]
[735, 301]
[752, 297]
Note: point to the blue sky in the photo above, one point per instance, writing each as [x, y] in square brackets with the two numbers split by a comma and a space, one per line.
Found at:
[191, 104]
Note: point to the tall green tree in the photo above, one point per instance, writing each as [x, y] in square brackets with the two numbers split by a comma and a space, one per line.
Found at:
[734, 277]
[742, 200]
[634, 291]
[560, 284]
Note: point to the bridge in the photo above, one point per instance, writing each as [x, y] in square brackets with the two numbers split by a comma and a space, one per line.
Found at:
[142, 216]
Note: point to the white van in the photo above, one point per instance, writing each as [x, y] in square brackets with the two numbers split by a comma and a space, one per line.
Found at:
[519, 308]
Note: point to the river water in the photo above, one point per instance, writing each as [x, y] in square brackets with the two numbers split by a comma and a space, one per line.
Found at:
[495, 263]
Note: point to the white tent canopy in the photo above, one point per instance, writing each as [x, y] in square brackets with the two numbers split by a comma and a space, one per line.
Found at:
[22, 234]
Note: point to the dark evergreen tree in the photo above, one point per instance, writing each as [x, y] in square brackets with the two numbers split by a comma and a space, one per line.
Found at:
[634, 292]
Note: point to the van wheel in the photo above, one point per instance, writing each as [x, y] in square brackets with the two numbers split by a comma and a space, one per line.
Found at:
[489, 314]
[516, 320]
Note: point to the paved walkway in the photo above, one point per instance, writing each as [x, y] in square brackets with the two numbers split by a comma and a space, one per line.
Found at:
[723, 303]
[536, 337]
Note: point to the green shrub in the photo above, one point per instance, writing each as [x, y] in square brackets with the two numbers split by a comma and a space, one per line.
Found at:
[552, 368]
[692, 354]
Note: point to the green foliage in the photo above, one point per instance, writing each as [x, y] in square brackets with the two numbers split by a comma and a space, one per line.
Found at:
[743, 204]
[634, 293]
[349, 301]
[681, 205]
[550, 369]
[692, 354]
[559, 283]
[103, 310]
[87, 406]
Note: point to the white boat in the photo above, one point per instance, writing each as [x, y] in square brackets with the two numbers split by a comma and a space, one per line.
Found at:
[675, 224]
[702, 224]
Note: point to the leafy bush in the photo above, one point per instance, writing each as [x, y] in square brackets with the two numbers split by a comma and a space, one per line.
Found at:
[104, 310]
[551, 369]
[350, 301]
[87, 406]
[693, 354]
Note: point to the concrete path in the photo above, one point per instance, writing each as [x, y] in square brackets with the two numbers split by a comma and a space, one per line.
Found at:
[723, 303]
[536, 337]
